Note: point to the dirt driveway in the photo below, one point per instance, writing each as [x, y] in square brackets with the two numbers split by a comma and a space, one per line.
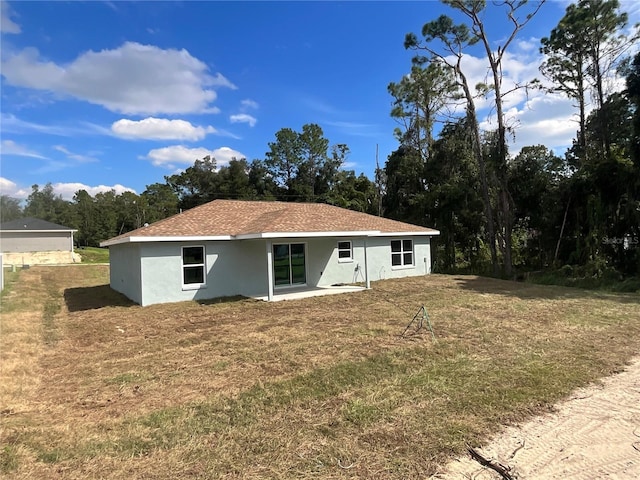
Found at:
[594, 434]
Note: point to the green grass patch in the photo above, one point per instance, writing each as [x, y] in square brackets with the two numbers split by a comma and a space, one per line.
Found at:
[8, 459]
[93, 254]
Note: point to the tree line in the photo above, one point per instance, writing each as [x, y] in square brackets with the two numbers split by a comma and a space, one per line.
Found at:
[496, 212]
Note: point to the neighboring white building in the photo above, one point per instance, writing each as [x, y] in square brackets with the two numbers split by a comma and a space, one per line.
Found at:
[251, 248]
[33, 241]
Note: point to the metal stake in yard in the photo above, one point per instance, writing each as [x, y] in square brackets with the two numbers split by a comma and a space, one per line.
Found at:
[420, 319]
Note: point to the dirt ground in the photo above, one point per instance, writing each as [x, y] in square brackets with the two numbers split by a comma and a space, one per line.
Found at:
[594, 434]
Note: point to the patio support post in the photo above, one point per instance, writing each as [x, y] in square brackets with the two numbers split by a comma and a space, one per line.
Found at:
[366, 268]
[269, 244]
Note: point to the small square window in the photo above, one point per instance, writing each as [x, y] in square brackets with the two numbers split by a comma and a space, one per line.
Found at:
[345, 251]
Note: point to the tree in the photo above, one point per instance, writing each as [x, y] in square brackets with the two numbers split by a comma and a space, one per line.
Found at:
[284, 158]
[454, 39]
[10, 208]
[197, 184]
[418, 99]
[537, 177]
[161, 202]
[300, 165]
[87, 219]
[583, 50]
[565, 65]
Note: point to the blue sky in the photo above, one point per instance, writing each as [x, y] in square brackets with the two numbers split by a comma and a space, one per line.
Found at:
[101, 95]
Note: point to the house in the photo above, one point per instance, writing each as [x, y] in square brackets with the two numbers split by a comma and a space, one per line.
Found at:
[254, 248]
[29, 241]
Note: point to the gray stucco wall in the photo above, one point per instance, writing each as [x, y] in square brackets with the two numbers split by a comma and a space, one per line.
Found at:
[232, 268]
[150, 273]
[125, 274]
[35, 241]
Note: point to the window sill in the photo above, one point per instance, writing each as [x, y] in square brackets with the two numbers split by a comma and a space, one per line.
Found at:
[403, 267]
[194, 286]
[345, 260]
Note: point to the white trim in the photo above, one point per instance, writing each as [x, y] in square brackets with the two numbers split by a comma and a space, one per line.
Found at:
[25, 230]
[193, 238]
[408, 234]
[270, 283]
[367, 283]
[263, 235]
[247, 236]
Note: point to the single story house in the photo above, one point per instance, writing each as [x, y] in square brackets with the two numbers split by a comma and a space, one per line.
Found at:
[257, 248]
[32, 241]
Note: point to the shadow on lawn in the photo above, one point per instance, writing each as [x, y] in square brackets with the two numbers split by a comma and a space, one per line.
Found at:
[524, 290]
[90, 298]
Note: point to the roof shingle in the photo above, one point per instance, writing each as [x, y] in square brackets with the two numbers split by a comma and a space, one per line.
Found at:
[239, 217]
[30, 223]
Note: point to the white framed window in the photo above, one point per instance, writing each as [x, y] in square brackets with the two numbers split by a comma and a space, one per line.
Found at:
[345, 251]
[194, 273]
[402, 253]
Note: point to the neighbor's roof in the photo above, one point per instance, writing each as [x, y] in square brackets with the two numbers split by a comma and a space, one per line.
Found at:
[236, 219]
[31, 224]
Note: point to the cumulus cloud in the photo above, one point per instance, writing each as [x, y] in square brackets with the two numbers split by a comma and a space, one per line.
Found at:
[10, 189]
[6, 24]
[9, 147]
[243, 118]
[159, 129]
[131, 79]
[168, 157]
[68, 190]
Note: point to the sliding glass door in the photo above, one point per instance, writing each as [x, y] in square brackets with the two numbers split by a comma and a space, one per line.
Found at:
[289, 264]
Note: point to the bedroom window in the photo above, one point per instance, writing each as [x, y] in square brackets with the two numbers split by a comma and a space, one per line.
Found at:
[345, 251]
[193, 266]
[402, 253]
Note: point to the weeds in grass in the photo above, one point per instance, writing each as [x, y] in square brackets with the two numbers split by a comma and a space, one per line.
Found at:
[308, 388]
[8, 459]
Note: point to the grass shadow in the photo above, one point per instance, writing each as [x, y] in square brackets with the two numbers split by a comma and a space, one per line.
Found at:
[526, 290]
[91, 298]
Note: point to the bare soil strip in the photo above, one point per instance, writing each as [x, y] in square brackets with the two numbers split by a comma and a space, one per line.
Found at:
[594, 434]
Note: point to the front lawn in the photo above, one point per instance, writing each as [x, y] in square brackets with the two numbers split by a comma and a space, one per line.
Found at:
[97, 387]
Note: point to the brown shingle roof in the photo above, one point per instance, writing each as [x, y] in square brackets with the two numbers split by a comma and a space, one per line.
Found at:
[247, 218]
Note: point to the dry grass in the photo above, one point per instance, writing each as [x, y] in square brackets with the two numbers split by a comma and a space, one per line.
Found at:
[96, 387]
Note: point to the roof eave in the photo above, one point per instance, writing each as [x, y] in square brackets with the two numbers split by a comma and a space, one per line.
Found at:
[150, 239]
[266, 235]
[429, 233]
[39, 231]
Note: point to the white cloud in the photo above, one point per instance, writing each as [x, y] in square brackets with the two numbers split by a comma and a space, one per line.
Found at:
[68, 190]
[75, 156]
[248, 103]
[10, 189]
[6, 24]
[11, 123]
[9, 147]
[131, 79]
[159, 129]
[243, 118]
[168, 157]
